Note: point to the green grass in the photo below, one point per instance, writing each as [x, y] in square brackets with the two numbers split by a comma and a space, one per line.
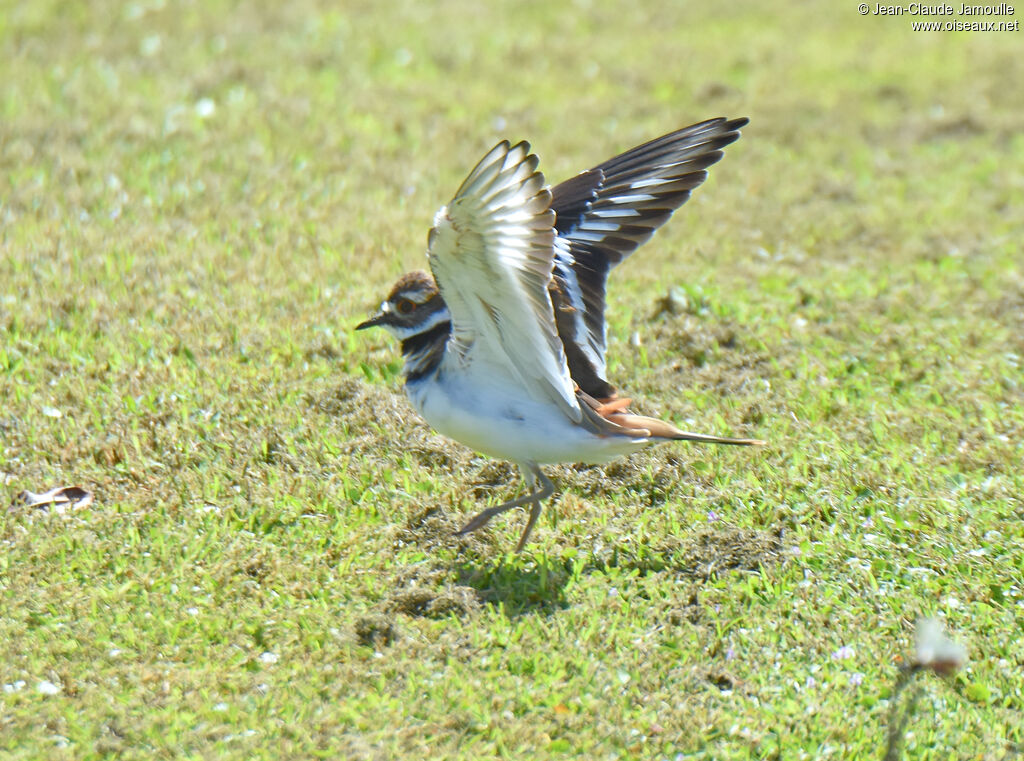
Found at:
[199, 200]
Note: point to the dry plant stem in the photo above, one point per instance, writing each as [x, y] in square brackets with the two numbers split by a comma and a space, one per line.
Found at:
[898, 720]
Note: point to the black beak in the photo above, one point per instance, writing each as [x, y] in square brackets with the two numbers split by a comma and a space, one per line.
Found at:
[378, 319]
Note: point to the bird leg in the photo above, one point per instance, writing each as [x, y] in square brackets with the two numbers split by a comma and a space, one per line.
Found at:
[534, 514]
[533, 475]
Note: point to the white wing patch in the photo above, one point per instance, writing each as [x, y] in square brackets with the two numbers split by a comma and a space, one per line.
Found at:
[564, 262]
[491, 251]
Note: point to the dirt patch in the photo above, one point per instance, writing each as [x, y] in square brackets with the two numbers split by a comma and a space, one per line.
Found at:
[951, 128]
[688, 351]
[376, 631]
[684, 609]
[723, 680]
[363, 405]
[432, 592]
[432, 529]
[709, 552]
[494, 475]
[381, 420]
[431, 603]
[654, 476]
[691, 339]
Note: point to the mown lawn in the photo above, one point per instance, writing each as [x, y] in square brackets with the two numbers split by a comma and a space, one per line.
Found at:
[198, 201]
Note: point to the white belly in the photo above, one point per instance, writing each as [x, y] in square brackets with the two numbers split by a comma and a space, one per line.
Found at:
[496, 417]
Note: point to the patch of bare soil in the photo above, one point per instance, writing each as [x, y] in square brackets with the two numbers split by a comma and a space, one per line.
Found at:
[711, 551]
[692, 339]
[381, 420]
[432, 529]
[434, 603]
[687, 350]
[722, 679]
[684, 609]
[361, 404]
[430, 591]
[655, 474]
[492, 476]
[376, 631]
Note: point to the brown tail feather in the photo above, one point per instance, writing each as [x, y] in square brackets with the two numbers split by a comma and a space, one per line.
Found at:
[608, 417]
[663, 430]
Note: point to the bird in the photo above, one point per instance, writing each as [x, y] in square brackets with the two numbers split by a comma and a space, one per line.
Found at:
[504, 340]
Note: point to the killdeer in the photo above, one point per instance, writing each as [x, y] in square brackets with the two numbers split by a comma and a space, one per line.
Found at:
[504, 345]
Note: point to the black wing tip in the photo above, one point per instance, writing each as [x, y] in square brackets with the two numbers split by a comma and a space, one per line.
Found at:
[719, 131]
[719, 124]
[726, 124]
[731, 129]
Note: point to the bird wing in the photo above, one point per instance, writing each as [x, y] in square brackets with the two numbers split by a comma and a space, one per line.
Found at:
[603, 215]
[491, 253]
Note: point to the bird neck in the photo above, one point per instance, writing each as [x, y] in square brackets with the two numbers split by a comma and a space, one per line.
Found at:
[423, 351]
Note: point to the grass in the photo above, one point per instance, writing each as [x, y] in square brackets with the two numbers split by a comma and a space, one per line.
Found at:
[199, 201]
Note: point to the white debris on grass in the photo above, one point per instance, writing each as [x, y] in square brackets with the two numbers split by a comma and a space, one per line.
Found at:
[205, 108]
[46, 687]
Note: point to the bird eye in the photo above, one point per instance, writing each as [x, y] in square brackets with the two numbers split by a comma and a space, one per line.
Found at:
[405, 306]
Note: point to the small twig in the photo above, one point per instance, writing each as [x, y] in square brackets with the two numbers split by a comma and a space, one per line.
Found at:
[898, 721]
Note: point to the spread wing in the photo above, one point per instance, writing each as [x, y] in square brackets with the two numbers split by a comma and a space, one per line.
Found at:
[491, 253]
[603, 215]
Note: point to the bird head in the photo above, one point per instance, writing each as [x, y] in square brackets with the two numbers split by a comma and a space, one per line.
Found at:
[413, 306]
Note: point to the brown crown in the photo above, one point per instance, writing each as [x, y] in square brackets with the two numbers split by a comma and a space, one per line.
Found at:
[414, 281]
